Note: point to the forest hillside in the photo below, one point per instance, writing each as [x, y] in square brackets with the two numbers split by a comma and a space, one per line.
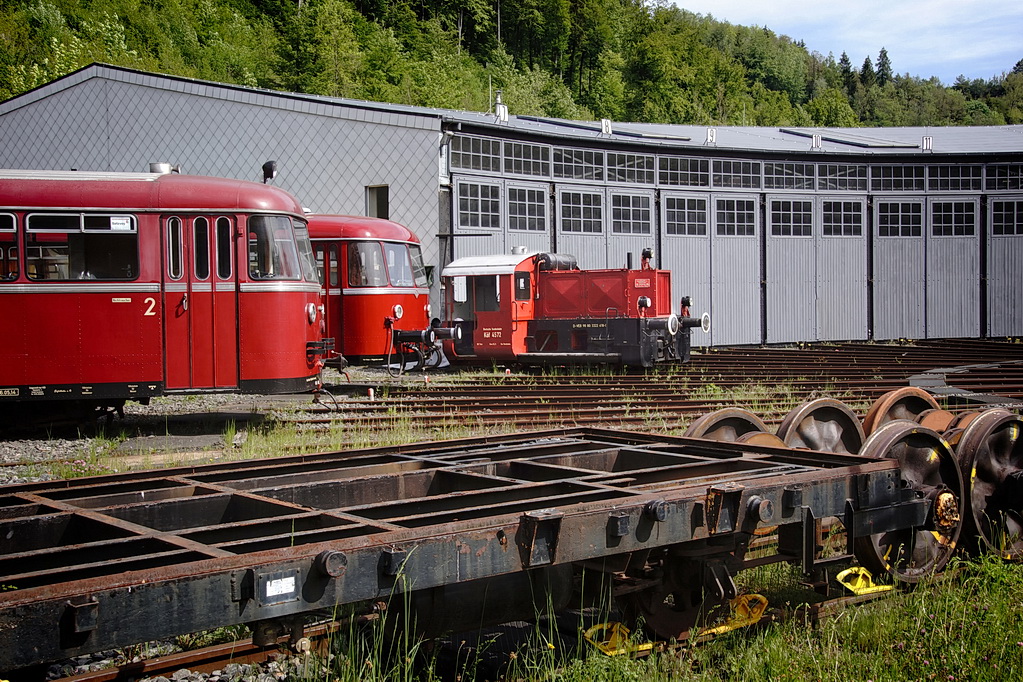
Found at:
[626, 60]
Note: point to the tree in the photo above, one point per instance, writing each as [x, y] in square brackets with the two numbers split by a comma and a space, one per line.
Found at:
[867, 76]
[848, 75]
[884, 67]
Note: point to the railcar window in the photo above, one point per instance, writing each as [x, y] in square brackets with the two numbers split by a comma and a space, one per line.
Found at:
[79, 246]
[366, 265]
[272, 252]
[522, 288]
[8, 248]
[305, 253]
[201, 247]
[399, 267]
[332, 264]
[174, 269]
[225, 264]
[419, 267]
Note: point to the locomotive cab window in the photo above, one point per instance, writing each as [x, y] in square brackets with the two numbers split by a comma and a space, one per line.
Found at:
[8, 248]
[272, 251]
[81, 246]
[522, 290]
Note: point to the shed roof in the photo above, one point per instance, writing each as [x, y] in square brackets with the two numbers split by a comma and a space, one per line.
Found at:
[1002, 141]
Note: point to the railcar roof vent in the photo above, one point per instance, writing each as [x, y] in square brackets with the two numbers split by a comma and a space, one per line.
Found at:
[161, 168]
[518, 250]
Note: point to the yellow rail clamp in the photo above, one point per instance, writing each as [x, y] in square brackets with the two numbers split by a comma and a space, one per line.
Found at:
[859, 581]
[745, 610]
[613, 640]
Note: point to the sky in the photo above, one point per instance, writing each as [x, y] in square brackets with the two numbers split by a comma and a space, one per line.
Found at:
[923, 37]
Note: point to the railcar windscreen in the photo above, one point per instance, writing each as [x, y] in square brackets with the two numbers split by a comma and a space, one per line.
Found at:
[272, 251]
[419, 266]
[399, 267]
[366, 265]
[8, 248]
[305, 251]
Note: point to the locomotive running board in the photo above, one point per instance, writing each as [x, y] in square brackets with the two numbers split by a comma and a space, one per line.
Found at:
[96, 563]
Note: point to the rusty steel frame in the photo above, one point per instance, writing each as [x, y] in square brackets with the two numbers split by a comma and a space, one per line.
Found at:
[96, 563]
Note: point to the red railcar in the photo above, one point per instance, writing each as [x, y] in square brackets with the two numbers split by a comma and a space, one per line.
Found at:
[376, 290]
[125, 286]
[541, 308]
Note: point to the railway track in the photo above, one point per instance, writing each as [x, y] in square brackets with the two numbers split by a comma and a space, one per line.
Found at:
[772, 381]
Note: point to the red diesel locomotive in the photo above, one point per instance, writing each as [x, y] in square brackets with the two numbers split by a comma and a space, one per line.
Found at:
[376, 291]
[125, 286]
[540, 308]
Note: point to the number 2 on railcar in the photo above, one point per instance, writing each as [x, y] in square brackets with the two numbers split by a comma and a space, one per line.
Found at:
[125, 286]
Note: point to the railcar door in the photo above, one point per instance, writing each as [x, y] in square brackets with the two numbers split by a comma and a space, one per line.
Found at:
[200, 303]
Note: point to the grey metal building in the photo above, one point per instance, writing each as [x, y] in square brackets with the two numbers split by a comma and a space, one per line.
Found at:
[782, 234]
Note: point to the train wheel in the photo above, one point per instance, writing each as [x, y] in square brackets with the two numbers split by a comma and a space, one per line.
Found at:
[990, 452]
[928, 467]
[726, 424]
[902, 403]
[676, 605]
[824, 424]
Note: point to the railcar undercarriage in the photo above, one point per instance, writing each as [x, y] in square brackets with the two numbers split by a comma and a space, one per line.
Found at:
[87, 564]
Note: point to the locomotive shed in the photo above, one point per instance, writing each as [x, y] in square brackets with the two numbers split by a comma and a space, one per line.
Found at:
[109, 561]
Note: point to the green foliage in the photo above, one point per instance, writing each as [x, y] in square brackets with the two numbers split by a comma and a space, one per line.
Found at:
[636, 60]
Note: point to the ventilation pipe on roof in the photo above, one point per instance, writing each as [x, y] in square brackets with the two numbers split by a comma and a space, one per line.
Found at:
[501, 109]
[161, 168]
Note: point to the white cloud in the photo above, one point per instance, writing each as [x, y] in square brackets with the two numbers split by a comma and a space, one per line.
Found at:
[943, 38]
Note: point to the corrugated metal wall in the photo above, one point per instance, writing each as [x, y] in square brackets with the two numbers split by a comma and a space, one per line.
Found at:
[842, 275]
[899, 275]
[685, 250]
[1005, 267]
[735, 272]
[791, 271]
[953, 269]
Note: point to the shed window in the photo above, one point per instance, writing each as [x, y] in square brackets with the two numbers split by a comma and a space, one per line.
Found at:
[527, 159]
[791, 218]
[638, 168]
[842, 218]
[736, 217]
[527, 209]
[742, 174]
[1005, 176]
[953, 218]
[900, 219]
[631, 214]
[685, 216]
[475, 153]
[673, 170]
[954, 178]
[896, 178]
[842, 176]
[1007, 217]
[582, 212]
[779, 175]
[479, 205]
[578, 164]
